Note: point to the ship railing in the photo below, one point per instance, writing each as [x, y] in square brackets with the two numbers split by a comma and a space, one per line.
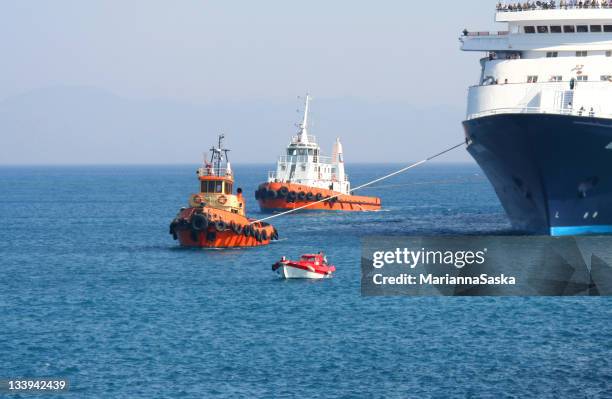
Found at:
[297, 139]
[272, 175]
[494, 33]
[539, 110]
[211, 171]
[533, 6]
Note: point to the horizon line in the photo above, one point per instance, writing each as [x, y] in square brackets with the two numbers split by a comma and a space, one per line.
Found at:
[2, 165]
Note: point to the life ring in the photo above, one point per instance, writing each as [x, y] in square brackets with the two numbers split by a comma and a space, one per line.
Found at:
[221, 225]
[199, 222]
[222, 200]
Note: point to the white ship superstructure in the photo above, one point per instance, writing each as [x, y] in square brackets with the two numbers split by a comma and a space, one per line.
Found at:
[551, 59]
[303, 163]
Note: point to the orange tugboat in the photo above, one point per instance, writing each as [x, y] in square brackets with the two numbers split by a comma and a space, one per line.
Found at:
[216, 217]
[305, 178]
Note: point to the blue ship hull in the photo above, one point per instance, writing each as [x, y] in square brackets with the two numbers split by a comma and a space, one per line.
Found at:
[552, 173]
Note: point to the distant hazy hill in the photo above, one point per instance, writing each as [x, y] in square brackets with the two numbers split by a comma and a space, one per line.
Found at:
[88, 125]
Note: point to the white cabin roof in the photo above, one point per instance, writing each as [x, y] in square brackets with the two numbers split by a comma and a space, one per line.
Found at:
[555, 37]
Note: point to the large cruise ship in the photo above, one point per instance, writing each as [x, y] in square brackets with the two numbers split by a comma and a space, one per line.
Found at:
[539, 121]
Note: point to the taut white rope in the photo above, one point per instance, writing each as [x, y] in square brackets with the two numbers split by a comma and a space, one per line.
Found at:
[414, 165]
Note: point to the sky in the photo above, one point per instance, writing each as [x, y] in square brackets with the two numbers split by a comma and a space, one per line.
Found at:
[392, 69]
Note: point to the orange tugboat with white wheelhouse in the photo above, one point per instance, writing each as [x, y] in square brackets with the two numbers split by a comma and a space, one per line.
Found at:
[216, 217]
[305, 178]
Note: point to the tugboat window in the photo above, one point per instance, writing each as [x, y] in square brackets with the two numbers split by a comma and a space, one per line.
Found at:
[218, 187]
[211, 187]
[555, 29]
[569, 28]
[607, 28]
[606, 78]
[582, 28]
[595, 28]
[542, 29]
[532, 79]
[582, 78]
[529, 29]
[581, 53]
[228, 188]
[203, 187]
[552, 54]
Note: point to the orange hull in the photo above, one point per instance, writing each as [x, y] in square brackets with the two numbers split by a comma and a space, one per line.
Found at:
[214, 228]
[286, 196]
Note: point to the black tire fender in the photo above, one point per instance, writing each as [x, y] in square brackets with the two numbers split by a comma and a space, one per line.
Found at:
[199, 222]
[221, 225]
[283, 192]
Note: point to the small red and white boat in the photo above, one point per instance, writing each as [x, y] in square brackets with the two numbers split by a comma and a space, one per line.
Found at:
[308, 267]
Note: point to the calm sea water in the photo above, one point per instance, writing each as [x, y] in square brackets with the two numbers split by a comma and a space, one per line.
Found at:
[94, 289]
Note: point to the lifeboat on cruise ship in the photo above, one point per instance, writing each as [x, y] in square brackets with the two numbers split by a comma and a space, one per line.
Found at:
[306, 179]
[308, 267]
[215, 217]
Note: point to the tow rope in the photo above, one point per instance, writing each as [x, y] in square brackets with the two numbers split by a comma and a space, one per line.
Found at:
[414, 165]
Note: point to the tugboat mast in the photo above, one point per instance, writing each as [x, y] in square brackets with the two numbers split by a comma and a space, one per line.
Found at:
[217, 155]
[304, 125]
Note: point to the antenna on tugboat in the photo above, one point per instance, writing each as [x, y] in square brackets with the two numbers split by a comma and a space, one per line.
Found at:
[303, 134]
[414, 165]
[218, 153]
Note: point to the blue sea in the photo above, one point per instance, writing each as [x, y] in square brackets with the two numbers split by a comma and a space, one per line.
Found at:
[94, 289]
